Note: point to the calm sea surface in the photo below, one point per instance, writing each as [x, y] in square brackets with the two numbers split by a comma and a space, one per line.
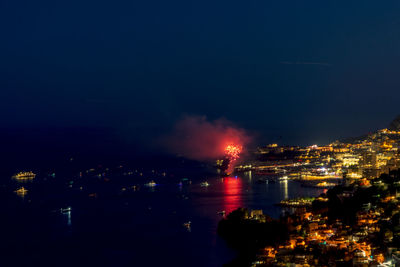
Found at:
[119, 226]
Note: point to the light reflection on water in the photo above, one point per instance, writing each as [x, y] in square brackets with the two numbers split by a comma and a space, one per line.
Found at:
[232, 193]
[229, 193]
[151, 220]
[68, 214]
[284, 188]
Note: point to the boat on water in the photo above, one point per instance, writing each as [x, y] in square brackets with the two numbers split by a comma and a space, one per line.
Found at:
[64, 210]
[283, 178]
[186, 181]
[188, 225]
[266, 181]
[262, 181]
[22, 176]
[324, 185]
[21, 191]
[221, 213]
[204, 184]
[151, 184]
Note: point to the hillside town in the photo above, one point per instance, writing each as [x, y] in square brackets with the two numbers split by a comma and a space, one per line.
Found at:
[355, 223]
[354, 159]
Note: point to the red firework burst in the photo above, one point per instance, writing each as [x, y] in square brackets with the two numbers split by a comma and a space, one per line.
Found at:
[233, 151]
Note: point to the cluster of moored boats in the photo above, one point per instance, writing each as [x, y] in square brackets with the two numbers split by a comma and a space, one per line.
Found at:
[23, 177]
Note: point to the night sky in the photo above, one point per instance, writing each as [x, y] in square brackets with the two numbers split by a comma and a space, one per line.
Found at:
[295, 72]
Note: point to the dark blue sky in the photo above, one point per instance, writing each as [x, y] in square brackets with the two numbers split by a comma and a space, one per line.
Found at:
[309, 71]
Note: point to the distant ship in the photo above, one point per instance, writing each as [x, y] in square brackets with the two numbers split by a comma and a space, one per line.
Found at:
[21, 191]
[64, 210]
[266, 181]
[221, 213]
[188, 226]
[151, 184]
[204, 184]
[324, 185]
[283, 178]
[21, 176]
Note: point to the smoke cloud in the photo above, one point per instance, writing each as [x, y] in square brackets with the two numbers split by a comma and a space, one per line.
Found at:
[197, 138]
